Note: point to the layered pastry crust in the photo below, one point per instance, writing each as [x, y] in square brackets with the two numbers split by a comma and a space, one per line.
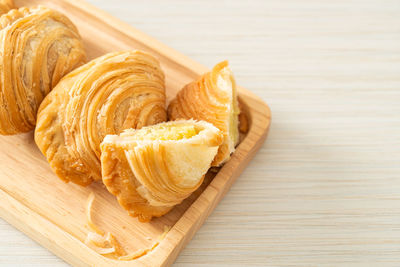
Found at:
[152, 169]
[107, 95]
[38, 46]
[211, 98]
[5, 6]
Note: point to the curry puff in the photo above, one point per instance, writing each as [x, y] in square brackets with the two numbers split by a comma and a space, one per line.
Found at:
[155, 168]
[117, 91]
[38, 46]
[211, 98]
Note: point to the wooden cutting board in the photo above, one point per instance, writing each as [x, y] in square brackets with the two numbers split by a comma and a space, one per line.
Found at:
[53, 213]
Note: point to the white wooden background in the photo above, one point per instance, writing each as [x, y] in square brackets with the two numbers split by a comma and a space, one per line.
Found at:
[324, 190]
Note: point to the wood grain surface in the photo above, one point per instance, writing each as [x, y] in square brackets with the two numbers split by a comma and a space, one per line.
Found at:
[324, 190]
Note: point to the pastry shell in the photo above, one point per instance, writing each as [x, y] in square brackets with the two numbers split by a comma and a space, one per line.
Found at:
[38, 46]
[211, 98]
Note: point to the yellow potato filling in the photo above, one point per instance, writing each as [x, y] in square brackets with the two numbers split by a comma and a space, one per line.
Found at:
[166, 133]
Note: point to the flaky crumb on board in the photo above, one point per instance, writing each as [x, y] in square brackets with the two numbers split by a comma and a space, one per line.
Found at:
[107, 244]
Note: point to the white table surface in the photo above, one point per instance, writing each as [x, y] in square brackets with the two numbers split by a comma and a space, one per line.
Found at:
[324, 190]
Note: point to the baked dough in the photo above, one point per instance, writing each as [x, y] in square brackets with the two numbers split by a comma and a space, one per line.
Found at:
[152, 169]
[211, 98]
[107, 95]
[38, 46]
[5, 6]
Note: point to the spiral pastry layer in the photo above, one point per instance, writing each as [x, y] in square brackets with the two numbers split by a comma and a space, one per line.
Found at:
[107, 95]
[211, 98]
[38, 46]
[152, 169]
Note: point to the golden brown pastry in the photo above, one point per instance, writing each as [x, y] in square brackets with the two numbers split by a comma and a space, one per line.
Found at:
[5, 6]
[152, 169]
[211, 98]
[38, 46]
[107, 95]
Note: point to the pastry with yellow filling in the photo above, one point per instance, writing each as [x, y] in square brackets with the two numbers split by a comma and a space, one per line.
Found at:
[153, 169]
[38, 46]
[117, 91]
[211, 98]
[5, 6]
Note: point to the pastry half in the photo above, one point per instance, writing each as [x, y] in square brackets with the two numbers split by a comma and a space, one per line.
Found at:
[5, 6]
[211, 98]
[38, 46]
[105, 96]
[152, 169]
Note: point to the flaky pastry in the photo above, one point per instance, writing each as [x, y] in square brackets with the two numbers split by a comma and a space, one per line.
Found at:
[38, 46]
[153, 169]
[105, 96]
[211, 98]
